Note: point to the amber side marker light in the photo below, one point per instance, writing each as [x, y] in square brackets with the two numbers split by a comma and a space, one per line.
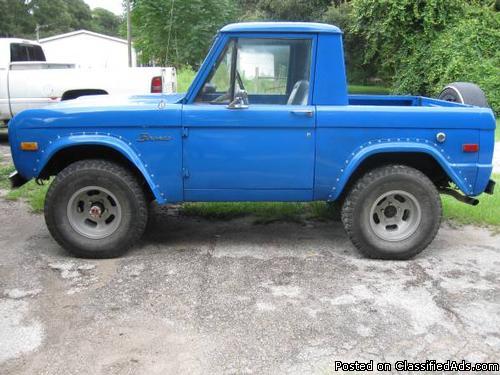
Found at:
[29, 146]
[470, 147]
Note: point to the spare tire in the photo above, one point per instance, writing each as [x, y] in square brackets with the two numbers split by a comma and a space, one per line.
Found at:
[464, 93]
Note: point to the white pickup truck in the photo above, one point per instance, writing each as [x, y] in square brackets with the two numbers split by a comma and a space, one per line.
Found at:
[28, 81]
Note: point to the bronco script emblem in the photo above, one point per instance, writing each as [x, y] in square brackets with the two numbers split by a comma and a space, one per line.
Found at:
[145, 137]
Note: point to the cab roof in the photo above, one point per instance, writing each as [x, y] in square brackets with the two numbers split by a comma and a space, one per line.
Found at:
[284, 27]
[17, 40]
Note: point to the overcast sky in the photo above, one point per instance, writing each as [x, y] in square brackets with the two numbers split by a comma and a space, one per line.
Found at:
[114, 6]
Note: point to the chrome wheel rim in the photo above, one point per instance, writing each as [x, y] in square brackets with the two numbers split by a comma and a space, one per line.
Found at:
[94, 212]
[395, 215]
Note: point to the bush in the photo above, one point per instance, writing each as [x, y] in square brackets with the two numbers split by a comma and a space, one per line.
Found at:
[467, 51]
[185, 77]
[423, 45]
[354, 45]
[178, 33]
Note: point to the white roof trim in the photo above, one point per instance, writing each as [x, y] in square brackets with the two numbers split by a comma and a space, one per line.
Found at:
[87, 32]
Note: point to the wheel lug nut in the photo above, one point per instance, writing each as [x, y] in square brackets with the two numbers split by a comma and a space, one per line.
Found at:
[95, 212]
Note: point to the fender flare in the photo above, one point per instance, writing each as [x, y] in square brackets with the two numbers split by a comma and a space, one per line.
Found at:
[114, 142]
[356, 158]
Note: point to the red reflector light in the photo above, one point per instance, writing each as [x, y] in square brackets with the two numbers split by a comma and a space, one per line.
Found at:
[157, 85]
[470, 147]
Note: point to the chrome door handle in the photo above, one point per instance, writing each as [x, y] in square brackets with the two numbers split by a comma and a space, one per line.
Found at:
[303, 112]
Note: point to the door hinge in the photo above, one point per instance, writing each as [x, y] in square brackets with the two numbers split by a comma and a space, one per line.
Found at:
[185, 132]
[185, 173]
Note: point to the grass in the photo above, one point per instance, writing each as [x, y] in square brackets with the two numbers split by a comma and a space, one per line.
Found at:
[184, 78]
[263, 212]
[362, 89]
[33, 193]
[4, 176]
[486, 213]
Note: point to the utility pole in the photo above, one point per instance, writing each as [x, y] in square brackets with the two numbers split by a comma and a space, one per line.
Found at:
[37, 31]
[129, 35]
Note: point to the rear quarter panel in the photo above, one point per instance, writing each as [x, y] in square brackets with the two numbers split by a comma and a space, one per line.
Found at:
[348, 135]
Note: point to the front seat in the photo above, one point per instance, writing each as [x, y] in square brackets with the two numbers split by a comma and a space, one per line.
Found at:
[299, 94]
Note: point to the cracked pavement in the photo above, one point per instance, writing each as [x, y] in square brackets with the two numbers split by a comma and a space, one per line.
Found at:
[198, 297]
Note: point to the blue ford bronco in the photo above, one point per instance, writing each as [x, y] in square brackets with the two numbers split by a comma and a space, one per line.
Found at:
[267, 118]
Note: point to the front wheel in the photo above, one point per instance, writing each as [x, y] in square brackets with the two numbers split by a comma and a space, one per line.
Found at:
[96, 209]
[392, 212]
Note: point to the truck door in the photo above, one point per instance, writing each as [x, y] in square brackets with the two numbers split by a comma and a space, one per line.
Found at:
[250, 130]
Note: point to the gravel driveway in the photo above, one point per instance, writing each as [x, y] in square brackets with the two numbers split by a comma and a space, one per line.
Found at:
[208, 298]
[232, 297]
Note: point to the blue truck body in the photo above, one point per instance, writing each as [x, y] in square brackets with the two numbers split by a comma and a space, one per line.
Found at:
[191, 151]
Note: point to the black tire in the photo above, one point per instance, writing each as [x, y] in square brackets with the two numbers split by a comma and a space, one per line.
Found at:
[464, 93]
[362, 200]
[107, 175]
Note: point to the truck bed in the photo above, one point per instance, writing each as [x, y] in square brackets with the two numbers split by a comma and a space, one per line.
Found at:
[400, 101]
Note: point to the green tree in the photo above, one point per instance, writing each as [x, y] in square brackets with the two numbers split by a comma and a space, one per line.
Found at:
[21, 17]
[52, 16]
[422, 45]
[286, 10]
[293, 10]
[178, 32]
[391, 28]
[106, 22]
[15, 19]
[80, 13]
[60, 16]
[341, 15]
[464, 51]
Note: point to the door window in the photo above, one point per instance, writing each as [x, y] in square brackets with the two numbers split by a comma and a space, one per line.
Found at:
[270, 71]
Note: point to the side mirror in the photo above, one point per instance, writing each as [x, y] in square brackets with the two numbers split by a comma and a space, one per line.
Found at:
[240, 101]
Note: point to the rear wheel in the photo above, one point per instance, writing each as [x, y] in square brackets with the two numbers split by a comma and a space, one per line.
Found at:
[96, 209]
[392, 212]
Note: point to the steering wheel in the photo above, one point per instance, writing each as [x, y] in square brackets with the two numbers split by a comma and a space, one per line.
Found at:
[221, 99]
[227, 96]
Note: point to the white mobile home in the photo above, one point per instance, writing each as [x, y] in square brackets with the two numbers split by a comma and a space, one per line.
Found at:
[88, 49]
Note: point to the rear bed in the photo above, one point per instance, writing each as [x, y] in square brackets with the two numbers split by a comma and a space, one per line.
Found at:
[400, 101]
